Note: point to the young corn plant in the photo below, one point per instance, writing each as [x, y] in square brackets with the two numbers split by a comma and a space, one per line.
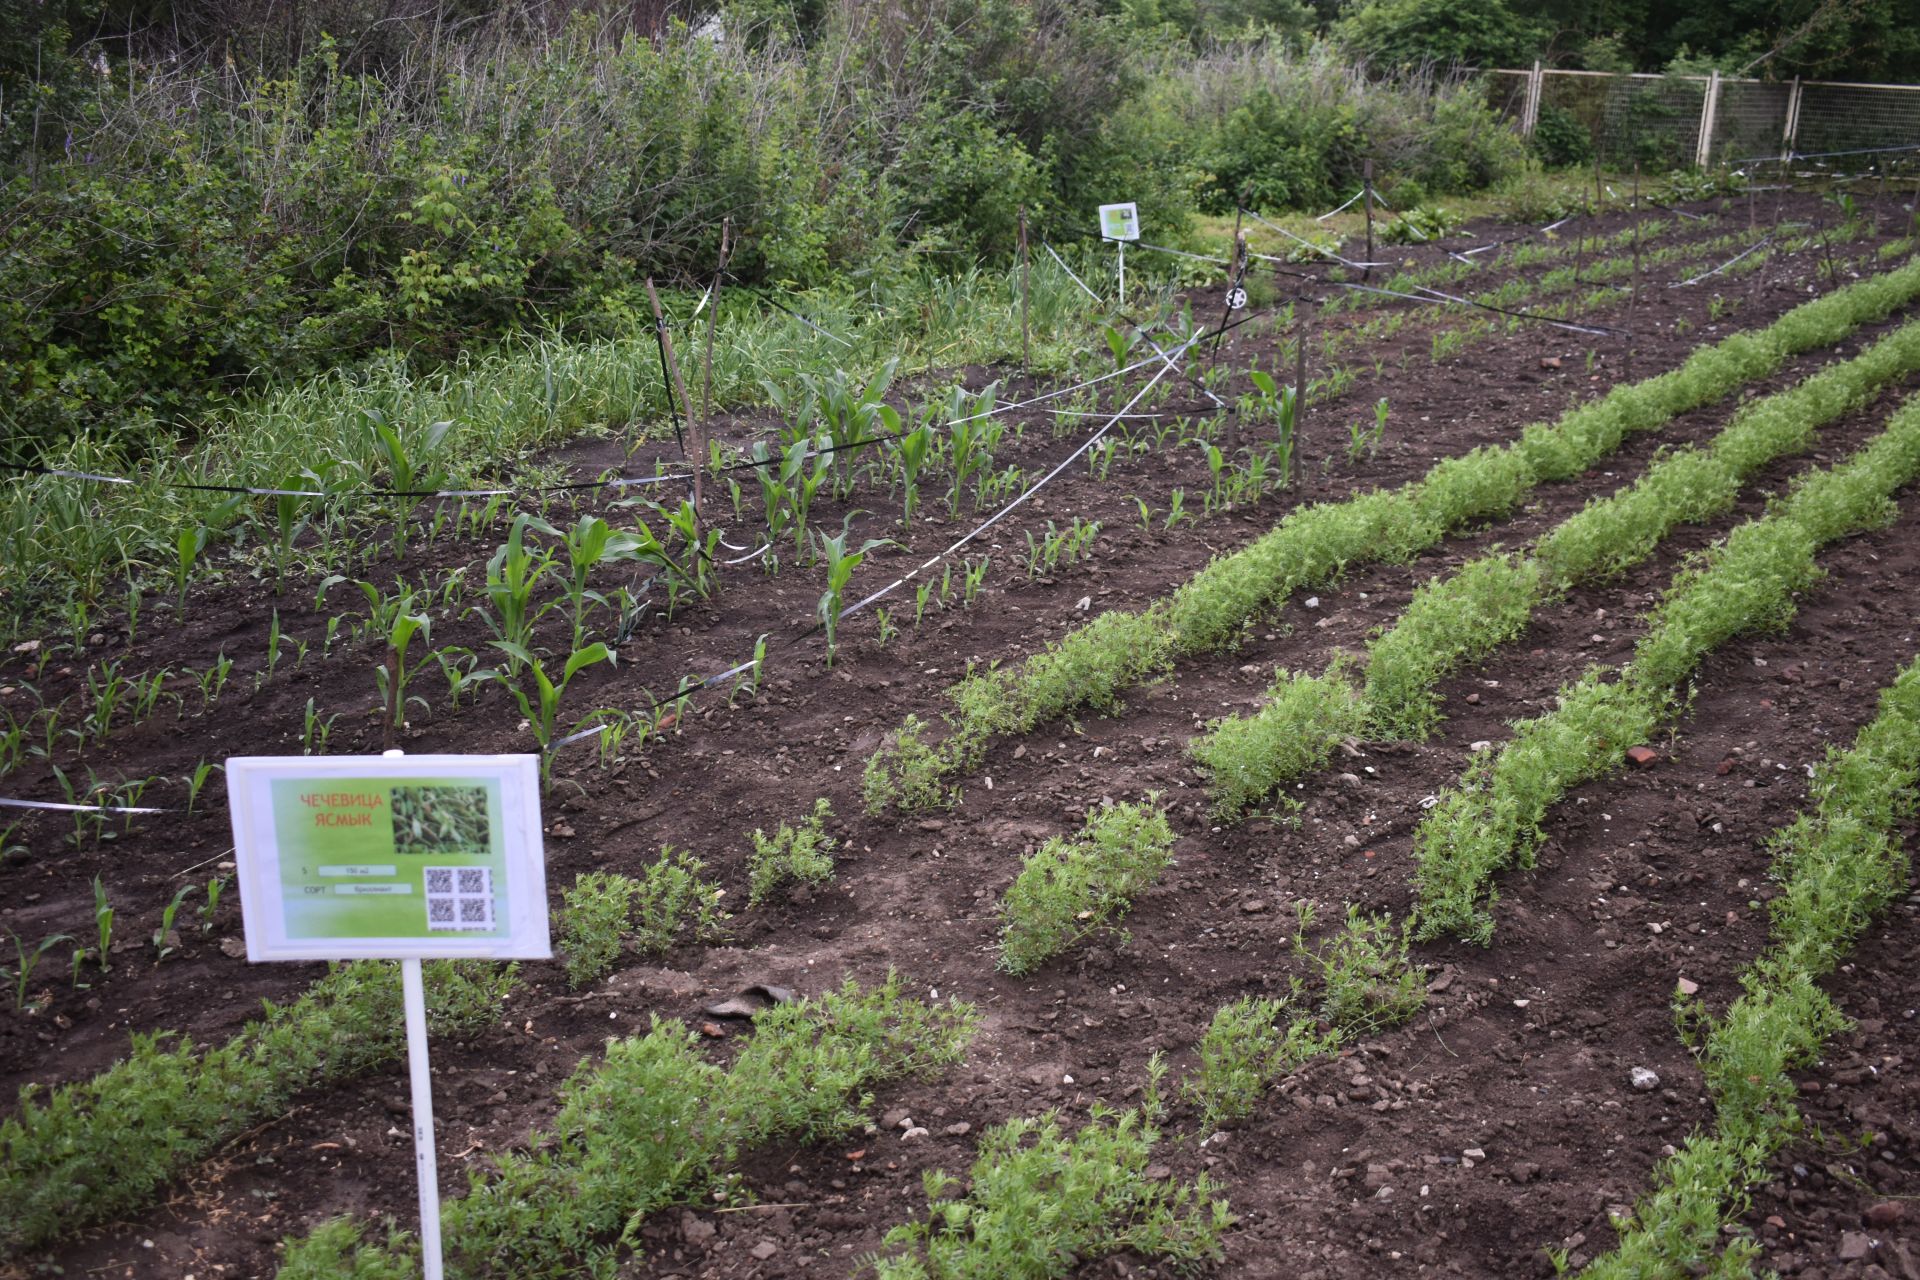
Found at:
[588, 544]
[395, 623]
[102, 924]
[910, 452]
[840, 566]
[165, 940]
[513, 574]
[409, 471]
[541, 704]
[27, 962]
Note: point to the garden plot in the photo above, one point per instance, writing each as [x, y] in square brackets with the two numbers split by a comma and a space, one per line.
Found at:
[1350, 1107]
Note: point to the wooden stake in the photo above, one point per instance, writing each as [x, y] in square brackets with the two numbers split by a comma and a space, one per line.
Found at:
[696, 453]
[713, 314]
[1366, 180]
[1026, 332]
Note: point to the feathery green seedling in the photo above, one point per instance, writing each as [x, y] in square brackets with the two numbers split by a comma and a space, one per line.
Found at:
[1071, 889]
[1304, 720]
[1369, 980]
[1746, 582]
[593, 922]
[791, 856]
[153, 1114]
[907, 775]
[1038, 1203]
[27, 962]
[1245, 1050]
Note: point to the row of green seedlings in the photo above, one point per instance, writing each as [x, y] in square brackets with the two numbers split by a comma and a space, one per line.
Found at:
[1451, 342]
[88, 1152]
[1460, 618]
[165, 939]
[607, 913]
[651, 1124]
[1838, 864]
[1038, 1204]
[1094, 664]
[1745, 583]
[171, 1092]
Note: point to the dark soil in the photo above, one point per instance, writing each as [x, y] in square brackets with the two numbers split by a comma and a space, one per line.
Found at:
[1501, 1121]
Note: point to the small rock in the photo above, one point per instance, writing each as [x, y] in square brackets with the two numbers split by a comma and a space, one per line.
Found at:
[1473, 699]
[764, 1250]
[1474, 1153]
[1642, 756]
[562, 830]
[1312, 602]
[1482, 745]
[914, 1134]
[1084, 603]
[1888, 1213]
[1157, 1172]
[1524, 1172]
[233, 948]
[713, 1031]
[932, 824]
[1645, 1080]
[695, 1230]
[1854, 1246]
[960, 1130]
[1254, 906]
[1687, 987]
[897, 1118]
[1550, 362]
[27, 646]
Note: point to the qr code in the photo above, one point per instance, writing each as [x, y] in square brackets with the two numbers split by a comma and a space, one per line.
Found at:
[459, 898]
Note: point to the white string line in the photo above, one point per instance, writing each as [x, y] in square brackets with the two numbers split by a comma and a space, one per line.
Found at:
[1001, 514]
[80, 808]
[1706, 275]
[1325, 253]
[1070, 272]
[1355, 196]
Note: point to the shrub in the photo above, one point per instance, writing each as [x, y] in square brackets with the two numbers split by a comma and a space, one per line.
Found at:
[1302, 721]
[593, 922]
[802, 856]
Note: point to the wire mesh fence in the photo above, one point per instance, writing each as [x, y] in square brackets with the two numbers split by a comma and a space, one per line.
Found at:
[1672, 122]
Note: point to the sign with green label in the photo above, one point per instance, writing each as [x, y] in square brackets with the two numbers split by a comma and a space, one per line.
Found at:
[1119, 221]
[365, 857]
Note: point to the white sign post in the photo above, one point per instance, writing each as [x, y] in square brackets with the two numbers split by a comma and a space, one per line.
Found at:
[393, 857]
[1120, 223]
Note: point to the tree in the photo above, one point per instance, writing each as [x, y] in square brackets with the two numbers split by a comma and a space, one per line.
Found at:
[1482, 33]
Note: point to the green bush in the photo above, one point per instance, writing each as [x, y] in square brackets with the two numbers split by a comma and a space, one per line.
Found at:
[1560, 140]
[1250, 1044]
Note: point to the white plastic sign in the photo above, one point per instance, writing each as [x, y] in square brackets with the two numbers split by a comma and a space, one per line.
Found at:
[390, 858]
[1119, 222]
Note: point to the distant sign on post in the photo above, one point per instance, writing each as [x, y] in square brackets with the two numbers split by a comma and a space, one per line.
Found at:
[404, 857]
[1119, 222]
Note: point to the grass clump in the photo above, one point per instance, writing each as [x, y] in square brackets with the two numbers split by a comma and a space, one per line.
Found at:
[653, 1123]
[604, 910]
[1839, 863]
[1745, 583]
[98, 1148]
[1040, 1202]
[1303, 721]
[802, 856]
[1072, 888]
[1250, 1044]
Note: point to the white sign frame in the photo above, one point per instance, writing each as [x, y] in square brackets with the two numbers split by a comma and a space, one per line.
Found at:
[263, 883]
[1126, 218]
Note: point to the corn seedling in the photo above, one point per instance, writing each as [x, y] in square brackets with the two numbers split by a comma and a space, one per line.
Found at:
[27, 962]
[1364, 439]
[885, 631]
[921, 594]
[791, 856]
[910, 452]
[541, 706]
[395, 624]
[513, 574]
[840, 566]
[164, 939]
[215, 887]
[314, 731]
[973, 576]
[407, 469]
[102, 923]
[1176, 509]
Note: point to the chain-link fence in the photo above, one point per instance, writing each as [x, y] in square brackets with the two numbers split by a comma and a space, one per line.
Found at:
[1672, 122]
